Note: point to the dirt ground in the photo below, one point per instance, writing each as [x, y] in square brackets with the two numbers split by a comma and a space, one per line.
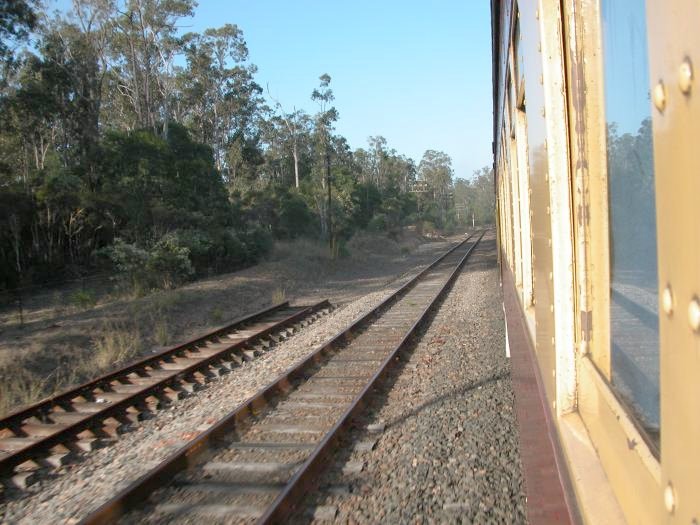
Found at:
[62, 343]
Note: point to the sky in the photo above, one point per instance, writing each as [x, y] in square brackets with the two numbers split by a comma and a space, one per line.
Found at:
[627, 99]
[415, 72]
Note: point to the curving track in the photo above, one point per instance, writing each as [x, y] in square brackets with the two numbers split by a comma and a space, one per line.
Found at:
[257, 463]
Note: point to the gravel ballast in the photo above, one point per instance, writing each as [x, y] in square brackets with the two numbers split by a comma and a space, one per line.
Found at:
[439, 444]
[68, 494]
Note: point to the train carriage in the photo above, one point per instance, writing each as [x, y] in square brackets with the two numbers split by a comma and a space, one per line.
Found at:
[596, 130]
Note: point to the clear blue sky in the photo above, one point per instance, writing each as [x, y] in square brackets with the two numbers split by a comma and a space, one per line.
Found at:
[416, 72]
[627, 99]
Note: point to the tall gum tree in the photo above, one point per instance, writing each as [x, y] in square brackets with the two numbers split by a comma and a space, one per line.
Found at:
[144, 49]
[327, 115]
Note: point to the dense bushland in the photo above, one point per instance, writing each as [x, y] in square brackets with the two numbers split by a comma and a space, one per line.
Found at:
[128, 146]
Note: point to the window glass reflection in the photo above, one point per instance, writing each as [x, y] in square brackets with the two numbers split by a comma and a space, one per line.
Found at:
[633, 270]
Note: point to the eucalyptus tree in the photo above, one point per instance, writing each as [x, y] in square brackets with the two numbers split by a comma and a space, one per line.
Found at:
[378, 156]
[435, 169]
[17, 19]
[484, 201]
[75, 51]
[287, 133]
[295, 124]
[219, 98]
[327, 115]
[144, 49]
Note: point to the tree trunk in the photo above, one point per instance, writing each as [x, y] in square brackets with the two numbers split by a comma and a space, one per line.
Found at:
[328, 187]
[16, 230]
[295, 153]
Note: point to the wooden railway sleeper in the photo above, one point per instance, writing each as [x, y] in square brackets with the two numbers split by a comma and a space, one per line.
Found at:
[93, 399]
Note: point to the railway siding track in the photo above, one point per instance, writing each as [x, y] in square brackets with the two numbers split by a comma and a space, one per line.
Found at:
[257, 462]
[46, 433]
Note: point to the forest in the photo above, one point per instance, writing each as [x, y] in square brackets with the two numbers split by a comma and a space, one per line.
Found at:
[128, 146]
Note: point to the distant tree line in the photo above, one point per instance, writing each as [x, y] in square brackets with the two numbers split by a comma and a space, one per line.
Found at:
[125, 142]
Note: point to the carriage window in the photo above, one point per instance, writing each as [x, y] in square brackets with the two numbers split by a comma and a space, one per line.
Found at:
[634, 320]
[519, 133]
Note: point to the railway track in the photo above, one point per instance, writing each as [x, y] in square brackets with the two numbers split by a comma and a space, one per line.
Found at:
[260, 460]
[46, 433]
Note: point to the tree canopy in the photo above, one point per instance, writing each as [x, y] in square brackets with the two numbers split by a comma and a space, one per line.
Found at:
[126, 143]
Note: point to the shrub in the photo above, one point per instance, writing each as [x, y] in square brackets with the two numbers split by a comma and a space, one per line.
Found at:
[233, 251]
[165, 265]
[216, 315]
[428, 228]
[258, 243]
[83, 299]
[294, 217]
[168, 262]
[378, 223]
[130, 261]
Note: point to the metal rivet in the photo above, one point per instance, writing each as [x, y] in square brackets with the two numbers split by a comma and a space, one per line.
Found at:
[542, 111]
[670, 498]
[660, 96]
[667, 300]
[537, 14]
[539, 46]
[551, 308]
[694, 314]
[551, 276]
[685, 76]
[541, 79]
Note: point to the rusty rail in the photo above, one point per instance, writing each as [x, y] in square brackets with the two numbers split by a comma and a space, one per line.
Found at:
[296, 488]
[192, 453]
[36, 449]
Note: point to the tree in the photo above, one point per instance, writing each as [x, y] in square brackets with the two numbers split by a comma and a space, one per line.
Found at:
[144, 50]
[475, 198]
[435, 169]
[17, 19]
[295, 124]
[74, 54]
[325, 118]
[217, 95]
[120, 135]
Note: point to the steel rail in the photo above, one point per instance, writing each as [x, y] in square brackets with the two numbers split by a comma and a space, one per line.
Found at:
[190, 454]
[13, 418]
[305, 477]
[39, 448]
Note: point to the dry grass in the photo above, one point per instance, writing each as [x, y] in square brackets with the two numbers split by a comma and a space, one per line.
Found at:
[82, 347]
[161, 330]
[300, 249]
[20, 386]
[117, 343]
[279, 295]
[363, 243]
[216, 315]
